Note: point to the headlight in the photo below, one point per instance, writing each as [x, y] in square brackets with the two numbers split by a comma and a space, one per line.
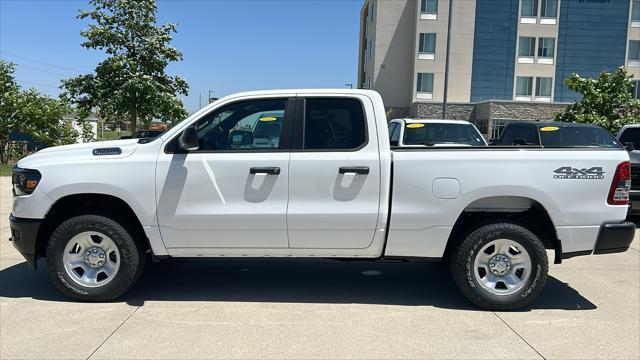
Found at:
[24, 181]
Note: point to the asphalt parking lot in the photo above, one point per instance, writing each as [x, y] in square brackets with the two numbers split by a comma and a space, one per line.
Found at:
[224, 308]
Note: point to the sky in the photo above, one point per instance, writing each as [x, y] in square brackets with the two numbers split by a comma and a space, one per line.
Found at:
[228, 46]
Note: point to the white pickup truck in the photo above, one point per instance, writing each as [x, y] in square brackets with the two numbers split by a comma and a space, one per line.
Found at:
[319, 181]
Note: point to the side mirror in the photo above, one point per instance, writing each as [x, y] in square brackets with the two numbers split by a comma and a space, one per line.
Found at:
[519, 142]
[495, 141]
[629, 146]
[188, 141]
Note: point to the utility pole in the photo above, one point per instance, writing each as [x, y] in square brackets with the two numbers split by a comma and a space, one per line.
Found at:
[200, 101]
[210, 97]
[446, 64]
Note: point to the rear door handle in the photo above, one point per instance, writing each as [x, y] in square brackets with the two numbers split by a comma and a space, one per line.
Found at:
[360, 170]
[265, 170]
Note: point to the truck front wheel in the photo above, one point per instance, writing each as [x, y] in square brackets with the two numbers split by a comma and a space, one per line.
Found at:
[93, 258]
[500, 266]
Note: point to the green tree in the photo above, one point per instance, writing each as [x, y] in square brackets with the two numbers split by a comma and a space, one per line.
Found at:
[606, 101]
[30, 113]
[131, 83]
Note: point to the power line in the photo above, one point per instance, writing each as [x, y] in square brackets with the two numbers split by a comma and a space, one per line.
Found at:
[41, 62]
[41, 70]
[37, 84]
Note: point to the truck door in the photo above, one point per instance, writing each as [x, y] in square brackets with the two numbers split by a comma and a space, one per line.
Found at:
[232, 191]
[334, 174]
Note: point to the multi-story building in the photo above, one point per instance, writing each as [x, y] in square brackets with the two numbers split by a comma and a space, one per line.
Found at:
[491, 61]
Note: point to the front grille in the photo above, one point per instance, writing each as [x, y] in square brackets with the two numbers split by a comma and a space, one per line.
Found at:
[635, 177]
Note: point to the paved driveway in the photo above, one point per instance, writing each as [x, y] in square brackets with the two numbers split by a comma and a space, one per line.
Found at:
[317, 309]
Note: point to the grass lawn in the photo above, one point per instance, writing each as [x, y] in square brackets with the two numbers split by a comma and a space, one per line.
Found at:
[112, 135]
[5, 170]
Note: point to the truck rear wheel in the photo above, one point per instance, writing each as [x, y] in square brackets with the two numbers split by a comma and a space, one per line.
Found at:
[93, 258]
[500, 266]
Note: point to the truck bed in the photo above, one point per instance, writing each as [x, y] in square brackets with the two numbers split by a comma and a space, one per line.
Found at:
[434, 186]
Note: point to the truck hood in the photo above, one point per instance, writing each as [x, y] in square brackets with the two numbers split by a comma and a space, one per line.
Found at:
[81, 152]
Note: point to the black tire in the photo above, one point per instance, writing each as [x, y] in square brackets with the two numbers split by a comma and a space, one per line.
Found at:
[132, 258]
[463, 258]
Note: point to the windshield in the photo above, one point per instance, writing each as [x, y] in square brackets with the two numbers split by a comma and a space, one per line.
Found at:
[431, 134]
[587, 136]
[631, 135]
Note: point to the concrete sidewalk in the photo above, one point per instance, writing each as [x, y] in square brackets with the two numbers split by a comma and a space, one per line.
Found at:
[202, 308]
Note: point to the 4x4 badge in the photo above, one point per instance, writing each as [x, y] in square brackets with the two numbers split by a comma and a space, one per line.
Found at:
[568, 172]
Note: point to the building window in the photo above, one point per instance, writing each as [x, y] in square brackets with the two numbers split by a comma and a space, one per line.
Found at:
[425, 86]
[526, 49]
[429, 9]
[634, 53]
[373, 4]
[635, 14]
[543, 88]
[529, 11]
[427, 46]
[546, 48]
[548, 11]
[523, 88]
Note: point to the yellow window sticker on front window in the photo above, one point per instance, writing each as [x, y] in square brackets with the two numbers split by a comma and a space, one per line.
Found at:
[549, 128]
[415, 125]
[268, 118]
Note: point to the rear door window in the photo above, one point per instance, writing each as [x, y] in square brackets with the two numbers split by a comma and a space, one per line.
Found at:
[334, 124]
[508, 135]
[631, 135]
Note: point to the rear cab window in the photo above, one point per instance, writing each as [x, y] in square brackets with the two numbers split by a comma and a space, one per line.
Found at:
[434, 134]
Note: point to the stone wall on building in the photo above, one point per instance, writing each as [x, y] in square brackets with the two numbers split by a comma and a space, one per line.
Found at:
[397, 112]
[455, 111]
[482, 113]
[487, 110]
[516, 110]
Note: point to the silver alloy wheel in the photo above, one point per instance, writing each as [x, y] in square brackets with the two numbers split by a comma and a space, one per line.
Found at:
[91, 259]
[502, 267]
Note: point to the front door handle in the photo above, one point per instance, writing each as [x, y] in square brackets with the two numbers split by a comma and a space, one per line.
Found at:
[265, 170]
[359, 170]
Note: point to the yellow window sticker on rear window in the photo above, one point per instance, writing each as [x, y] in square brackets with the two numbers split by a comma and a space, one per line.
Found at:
[549, 128]
[268, 118]
[415, 125]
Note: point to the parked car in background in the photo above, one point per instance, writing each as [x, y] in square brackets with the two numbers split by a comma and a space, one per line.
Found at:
[629, 135]
[438, 133]
[555, 134]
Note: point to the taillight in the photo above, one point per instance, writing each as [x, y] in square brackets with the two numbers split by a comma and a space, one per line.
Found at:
[619, 192]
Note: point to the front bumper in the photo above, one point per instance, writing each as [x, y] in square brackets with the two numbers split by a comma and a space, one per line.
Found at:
[615, 237]
[24, 233]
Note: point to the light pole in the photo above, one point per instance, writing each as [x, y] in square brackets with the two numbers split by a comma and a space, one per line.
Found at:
[210, 97]
[349, 85]
[446, 64]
